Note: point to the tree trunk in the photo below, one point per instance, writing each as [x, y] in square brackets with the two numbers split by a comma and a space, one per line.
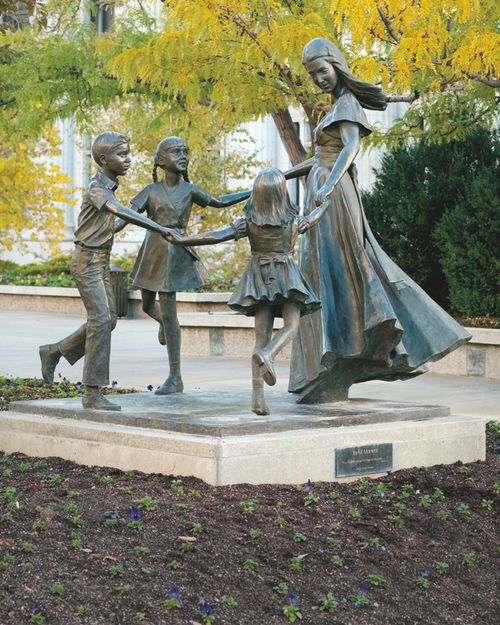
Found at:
[289, 136]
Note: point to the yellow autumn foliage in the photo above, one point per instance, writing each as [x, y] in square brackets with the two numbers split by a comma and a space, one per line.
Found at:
[242, 59]
[424, 44]
[32, 189]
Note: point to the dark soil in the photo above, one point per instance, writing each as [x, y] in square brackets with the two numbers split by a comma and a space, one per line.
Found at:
[68, 554]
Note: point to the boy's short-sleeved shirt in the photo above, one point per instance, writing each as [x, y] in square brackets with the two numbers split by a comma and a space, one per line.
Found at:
[96, 224]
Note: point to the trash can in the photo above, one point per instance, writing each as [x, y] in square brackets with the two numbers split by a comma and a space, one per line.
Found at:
[119, 282]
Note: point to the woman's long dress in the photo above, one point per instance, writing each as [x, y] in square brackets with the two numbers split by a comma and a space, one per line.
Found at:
[375, 322]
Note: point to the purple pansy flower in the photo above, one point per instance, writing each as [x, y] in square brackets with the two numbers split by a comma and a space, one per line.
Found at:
[207, 609]
[113, 383]
[308, 486]
[292, 598]
[149, 387]
[135, 514]
[173, 593]
[424, 572]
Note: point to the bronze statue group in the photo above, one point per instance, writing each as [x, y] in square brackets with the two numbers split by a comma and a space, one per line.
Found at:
[352, 313]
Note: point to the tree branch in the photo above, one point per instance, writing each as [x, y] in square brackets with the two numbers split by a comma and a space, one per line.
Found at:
[410, 98]
[490, 82]
[387, 23]
[472, 121]
[283, 71]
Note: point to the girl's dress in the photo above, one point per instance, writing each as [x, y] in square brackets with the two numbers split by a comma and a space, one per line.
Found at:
[271, 277]
[161, 266]
[375, 322]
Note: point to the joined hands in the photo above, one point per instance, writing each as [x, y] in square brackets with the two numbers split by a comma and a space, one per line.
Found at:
[172, 236]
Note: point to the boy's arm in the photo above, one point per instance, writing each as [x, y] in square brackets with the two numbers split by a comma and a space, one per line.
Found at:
[131, 216]
[121, 223]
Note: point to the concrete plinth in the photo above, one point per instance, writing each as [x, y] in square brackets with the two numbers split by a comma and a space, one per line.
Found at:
[213, 435]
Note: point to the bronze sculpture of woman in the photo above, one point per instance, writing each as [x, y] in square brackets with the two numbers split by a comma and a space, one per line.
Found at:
[375, 322]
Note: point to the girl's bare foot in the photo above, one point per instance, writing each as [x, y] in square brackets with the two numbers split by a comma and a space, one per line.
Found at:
[259, 405]
[173, 384]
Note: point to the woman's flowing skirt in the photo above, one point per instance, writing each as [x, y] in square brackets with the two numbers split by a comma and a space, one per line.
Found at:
[375, 322]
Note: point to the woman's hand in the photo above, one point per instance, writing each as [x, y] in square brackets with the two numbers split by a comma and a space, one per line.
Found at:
[303, 224]
[321, 195]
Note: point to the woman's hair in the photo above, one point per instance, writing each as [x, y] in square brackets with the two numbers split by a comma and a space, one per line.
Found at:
[166, 144]
[368, 95]
[270, 204]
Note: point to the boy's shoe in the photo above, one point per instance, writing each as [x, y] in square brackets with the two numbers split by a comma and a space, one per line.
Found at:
[173, 384]
[49, 357]
[261, 358]
[93, 399]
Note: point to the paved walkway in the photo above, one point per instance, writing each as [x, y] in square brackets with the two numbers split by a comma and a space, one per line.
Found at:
[138, 360]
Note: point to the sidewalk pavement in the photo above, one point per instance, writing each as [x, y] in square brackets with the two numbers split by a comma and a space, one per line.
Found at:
[138, 360]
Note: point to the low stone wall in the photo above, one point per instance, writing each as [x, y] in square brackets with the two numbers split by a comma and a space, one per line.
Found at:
[186, 303]
[66, 301]
[59, 300]
[210, 329]
[480, 357]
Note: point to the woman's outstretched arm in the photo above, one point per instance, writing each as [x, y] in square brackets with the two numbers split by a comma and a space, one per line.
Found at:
[302, 169]
[228, 200]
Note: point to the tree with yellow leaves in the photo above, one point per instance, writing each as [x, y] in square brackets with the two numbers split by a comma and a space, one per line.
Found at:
[31, 192]
[241, 59]
[224, 62]
[213, 64]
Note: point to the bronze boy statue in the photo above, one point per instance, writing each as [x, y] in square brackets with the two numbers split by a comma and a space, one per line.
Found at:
[90, 269]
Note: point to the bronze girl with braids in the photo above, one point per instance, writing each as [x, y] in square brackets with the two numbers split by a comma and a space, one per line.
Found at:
[160, 266]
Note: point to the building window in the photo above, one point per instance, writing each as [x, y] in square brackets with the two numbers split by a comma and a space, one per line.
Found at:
[101, 14]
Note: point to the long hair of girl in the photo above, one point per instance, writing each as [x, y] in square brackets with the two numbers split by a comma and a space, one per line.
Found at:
[270, 203]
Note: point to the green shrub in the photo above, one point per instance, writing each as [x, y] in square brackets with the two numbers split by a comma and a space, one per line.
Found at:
[434, 209]
[468, 237]
[53, 272]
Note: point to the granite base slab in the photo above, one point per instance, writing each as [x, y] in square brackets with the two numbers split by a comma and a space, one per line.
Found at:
[214, 436]
[225, 413]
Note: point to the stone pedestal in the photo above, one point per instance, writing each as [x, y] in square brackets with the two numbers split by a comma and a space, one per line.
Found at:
[212, 435]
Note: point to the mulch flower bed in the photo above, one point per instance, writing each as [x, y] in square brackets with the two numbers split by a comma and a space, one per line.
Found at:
[20, 389]
[96, 546]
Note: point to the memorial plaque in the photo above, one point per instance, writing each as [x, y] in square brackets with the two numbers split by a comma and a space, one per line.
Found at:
[376, 458]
